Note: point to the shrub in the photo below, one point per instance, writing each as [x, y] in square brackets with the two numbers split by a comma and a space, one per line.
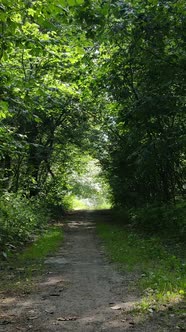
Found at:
[19, 219]
[165, 219]
[121, 214]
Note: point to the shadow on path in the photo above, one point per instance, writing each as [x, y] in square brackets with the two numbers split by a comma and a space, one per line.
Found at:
[80, 290]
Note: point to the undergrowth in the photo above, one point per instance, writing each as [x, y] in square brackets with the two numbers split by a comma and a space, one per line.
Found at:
[162, 274]
[20, 219]
[168, 220]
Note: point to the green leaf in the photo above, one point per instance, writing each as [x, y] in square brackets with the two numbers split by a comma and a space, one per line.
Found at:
[3, 109]
[79, 2]
[5, 255]
[31, 12]
[72, 2]
[62, 3]
[75, 2]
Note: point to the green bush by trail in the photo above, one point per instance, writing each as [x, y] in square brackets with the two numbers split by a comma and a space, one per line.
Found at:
[20, 218]
[167, 220]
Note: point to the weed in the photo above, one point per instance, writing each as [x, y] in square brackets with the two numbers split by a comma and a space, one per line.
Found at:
[162, 275]
[17, 274]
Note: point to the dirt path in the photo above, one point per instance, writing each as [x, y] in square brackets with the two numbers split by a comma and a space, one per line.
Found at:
[81, 290]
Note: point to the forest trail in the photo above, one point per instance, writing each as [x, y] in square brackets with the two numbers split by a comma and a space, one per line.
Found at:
[79, 291]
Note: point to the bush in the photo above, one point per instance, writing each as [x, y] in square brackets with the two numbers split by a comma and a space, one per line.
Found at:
[121, 214]
[169, 219]
[19, 219]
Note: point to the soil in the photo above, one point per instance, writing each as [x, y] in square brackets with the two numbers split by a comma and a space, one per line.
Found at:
[81, 291]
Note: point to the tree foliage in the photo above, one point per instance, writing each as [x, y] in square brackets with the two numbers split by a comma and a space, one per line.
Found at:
[40, 107]
[141, 68]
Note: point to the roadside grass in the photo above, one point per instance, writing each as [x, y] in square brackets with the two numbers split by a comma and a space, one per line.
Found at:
[44, 245]
[162, 275]
[18, 273]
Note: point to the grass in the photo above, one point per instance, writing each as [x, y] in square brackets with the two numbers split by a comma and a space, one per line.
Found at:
[18, 272]
[46, 244]
[162, 275]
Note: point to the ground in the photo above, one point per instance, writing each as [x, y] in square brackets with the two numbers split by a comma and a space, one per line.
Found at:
[80, 290]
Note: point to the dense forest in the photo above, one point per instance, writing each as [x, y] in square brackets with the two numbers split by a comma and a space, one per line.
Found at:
[100, 80]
